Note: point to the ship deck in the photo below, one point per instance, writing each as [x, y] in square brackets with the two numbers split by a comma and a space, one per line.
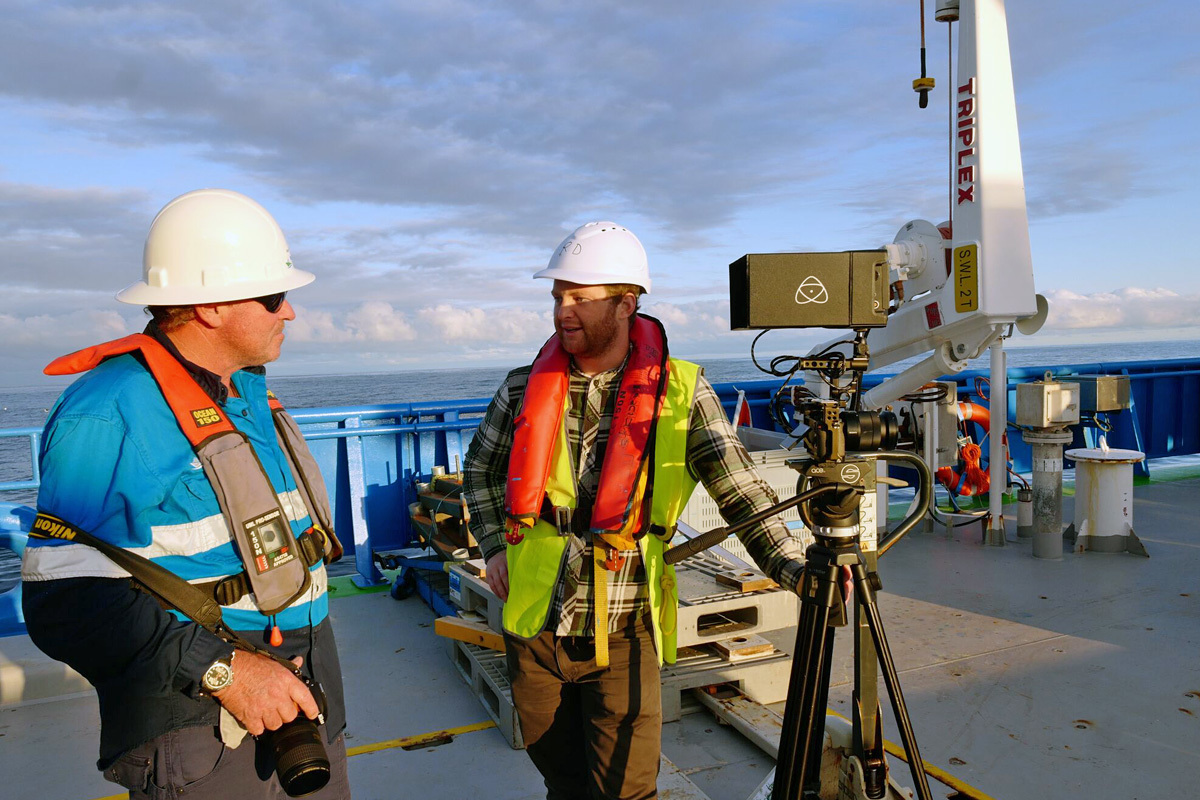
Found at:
[1024, 678]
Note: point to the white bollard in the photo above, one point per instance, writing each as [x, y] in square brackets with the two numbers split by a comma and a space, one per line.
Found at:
[1103, 521]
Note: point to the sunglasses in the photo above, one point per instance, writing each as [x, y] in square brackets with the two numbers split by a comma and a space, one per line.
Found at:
[271, 302]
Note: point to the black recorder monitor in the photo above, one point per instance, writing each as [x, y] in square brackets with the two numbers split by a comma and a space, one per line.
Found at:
[809, 290]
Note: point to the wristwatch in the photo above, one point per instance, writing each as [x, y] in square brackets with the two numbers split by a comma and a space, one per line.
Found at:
[218, 676]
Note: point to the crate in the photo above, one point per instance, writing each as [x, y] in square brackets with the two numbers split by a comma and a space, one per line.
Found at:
[701, 513]
[770, 459]
[709, 611]
[764, 679]
[471, 593]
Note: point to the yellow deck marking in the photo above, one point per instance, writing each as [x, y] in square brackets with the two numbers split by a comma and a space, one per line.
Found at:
[409, 741]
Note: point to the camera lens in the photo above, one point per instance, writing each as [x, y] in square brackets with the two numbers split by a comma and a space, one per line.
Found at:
[867, 431]
[300, 759]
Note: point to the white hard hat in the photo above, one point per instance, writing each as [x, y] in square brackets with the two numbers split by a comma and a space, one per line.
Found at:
[213, 246]
[599, 253]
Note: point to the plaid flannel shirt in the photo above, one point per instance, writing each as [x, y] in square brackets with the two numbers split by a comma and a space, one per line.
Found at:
[715, 456]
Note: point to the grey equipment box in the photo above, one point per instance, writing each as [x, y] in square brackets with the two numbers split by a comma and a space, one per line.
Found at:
[767, 453]
[1102, 392]
[1047, 404]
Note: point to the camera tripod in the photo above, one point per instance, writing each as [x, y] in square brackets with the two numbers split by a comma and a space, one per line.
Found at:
[833, 519]
[842, 442]
[830, 509]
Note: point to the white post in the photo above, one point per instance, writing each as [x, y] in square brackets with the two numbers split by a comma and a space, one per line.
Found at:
[997, 457]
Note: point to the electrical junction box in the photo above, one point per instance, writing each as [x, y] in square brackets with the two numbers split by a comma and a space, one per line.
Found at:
[1047, 404]
[946, 446]
[1099, 393]
[941, 420]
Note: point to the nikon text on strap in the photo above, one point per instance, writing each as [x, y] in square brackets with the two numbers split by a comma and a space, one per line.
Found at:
[275, 570]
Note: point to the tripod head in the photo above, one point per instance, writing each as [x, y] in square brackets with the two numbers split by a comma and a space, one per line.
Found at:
[836, 429]
[841, 442]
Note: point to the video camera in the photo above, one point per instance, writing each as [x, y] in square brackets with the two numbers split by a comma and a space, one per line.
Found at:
[809, 290]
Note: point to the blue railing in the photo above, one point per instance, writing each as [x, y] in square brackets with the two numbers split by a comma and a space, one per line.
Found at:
[34, 436]
[372, 456]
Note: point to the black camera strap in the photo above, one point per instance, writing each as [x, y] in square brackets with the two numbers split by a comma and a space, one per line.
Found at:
[167, 587]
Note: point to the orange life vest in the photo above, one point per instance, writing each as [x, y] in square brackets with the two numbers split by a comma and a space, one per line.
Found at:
[617, 512]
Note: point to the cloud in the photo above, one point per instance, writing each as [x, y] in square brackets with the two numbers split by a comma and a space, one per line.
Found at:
[70, 239]
[424, 158]
[373, 321]
[438, 327]
[503, 118]
[33, 341]
[1130, 307]
[500, 326]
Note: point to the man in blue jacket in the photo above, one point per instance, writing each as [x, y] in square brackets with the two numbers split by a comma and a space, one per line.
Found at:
[176, 700]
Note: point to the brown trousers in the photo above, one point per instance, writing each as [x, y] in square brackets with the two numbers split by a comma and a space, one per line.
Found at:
[594, 734]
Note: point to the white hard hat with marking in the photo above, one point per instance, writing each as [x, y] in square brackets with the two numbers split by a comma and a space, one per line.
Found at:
[599, 253]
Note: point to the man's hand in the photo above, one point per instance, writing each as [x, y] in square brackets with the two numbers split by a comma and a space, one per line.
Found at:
[496, 572]
[847, 583]
[264, 695]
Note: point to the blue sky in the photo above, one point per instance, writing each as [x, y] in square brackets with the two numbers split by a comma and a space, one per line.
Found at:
[425, 158]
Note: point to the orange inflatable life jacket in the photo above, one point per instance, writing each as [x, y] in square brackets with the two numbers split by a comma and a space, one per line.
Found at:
[618, 503]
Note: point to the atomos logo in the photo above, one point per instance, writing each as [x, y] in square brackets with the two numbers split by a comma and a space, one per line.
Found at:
[851, 473]
[811, 290]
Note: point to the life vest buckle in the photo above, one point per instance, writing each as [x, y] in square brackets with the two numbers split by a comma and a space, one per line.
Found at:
[562, 519]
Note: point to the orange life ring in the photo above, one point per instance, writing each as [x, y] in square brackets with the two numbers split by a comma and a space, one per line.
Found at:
[972, 479]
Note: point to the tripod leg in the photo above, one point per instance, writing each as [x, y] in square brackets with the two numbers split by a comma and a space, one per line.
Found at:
[866, 596]
[811, 785]
[868, 735]
[804, 714]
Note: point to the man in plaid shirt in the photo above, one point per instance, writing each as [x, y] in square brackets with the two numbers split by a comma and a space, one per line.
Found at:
[588, 692]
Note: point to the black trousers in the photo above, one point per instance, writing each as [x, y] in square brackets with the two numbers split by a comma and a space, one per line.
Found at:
[594, 733]
[193, 763]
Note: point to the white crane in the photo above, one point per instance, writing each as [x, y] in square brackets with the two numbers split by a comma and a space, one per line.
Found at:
[962, 286]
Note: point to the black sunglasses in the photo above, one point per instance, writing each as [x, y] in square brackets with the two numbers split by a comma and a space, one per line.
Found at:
[271, 302]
